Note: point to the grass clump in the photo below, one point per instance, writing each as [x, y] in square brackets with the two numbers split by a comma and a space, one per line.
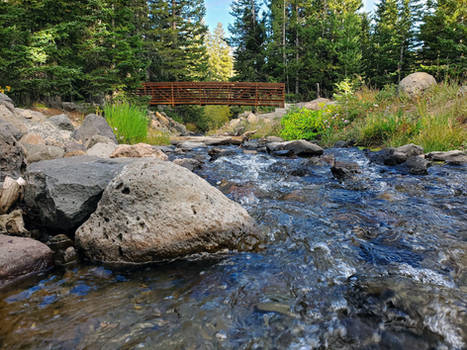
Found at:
[157, 138]
[129, 123]
[435, 120]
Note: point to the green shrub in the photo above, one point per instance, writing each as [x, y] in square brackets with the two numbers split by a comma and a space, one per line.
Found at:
[302, 124]
[193, 115]
[309, 124]
[129, 123]
[217, 116]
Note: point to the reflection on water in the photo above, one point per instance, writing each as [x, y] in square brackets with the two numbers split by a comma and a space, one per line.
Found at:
[374, 262]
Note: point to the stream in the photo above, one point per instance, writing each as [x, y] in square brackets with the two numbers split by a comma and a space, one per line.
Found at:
[374, 262]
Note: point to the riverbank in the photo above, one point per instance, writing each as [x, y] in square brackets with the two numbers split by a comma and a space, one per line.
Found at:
[435, 119]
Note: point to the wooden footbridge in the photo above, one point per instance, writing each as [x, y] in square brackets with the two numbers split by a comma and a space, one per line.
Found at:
[215, 93]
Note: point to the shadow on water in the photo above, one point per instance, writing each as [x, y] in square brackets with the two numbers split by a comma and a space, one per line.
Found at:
[374, 262]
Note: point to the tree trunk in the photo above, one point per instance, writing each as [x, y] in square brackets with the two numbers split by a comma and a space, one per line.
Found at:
[297, 44]
[174, 22]
[399, 65]
[284, 41]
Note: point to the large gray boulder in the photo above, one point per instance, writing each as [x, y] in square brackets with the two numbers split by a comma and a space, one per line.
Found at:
[94, 125]
[5, 98]
[156, 210]
[316, 104]
[38, 152]
[20, 257]
[61, 194]
[416, 83]
[301, 148]
[11, 129]
[62, 121]
[12, 159]
[7, 117]
[7, 102]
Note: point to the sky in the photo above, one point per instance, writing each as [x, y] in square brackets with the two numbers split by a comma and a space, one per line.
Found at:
[218, 11]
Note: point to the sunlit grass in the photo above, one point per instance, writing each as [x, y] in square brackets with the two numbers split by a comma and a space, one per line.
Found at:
[129, 123]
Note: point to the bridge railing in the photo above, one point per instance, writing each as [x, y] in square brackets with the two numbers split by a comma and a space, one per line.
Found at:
[215, 93]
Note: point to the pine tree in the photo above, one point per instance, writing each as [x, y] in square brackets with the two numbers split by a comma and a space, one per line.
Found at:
[176, 40]
[219, 56]
[444, 34]
[248, 40]
[393, 41]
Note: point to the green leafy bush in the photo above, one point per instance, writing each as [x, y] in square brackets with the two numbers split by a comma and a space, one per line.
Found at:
[217, 116]
[309, 124]
[129, 123]
[302, 124]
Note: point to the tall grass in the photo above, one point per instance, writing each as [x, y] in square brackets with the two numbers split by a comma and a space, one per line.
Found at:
[157, 137]
[129, 123]
[436, 120]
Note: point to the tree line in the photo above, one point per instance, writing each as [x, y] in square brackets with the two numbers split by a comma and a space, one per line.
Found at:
[305, 42]
[85, 50]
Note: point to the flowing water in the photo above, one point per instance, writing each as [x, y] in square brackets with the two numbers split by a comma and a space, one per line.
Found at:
[375, 262]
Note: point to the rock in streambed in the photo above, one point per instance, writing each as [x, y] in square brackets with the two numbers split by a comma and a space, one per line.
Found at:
[61, 194]
[301, 148]
[154, 211]
[19, 257]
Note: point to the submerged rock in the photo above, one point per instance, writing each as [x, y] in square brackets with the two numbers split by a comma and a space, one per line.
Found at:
[20, 257]
[299, 148]
[155, 210]
[189, 163]
[61, 194]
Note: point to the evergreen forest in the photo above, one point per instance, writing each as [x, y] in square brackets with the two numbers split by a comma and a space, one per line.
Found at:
[86, 50]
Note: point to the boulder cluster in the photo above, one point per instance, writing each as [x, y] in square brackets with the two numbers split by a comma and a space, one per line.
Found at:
[68, 191]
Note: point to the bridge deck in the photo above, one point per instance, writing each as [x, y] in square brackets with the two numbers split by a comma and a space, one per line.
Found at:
[215, 93]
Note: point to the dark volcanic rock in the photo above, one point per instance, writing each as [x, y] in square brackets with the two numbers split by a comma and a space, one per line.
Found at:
[189, 163]
[299, 148]
[452, 157]
[344, 170]
[394, 156]
[61, 194]
[20, 257]
[94, 125]
[62, 122]
[417, 165]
